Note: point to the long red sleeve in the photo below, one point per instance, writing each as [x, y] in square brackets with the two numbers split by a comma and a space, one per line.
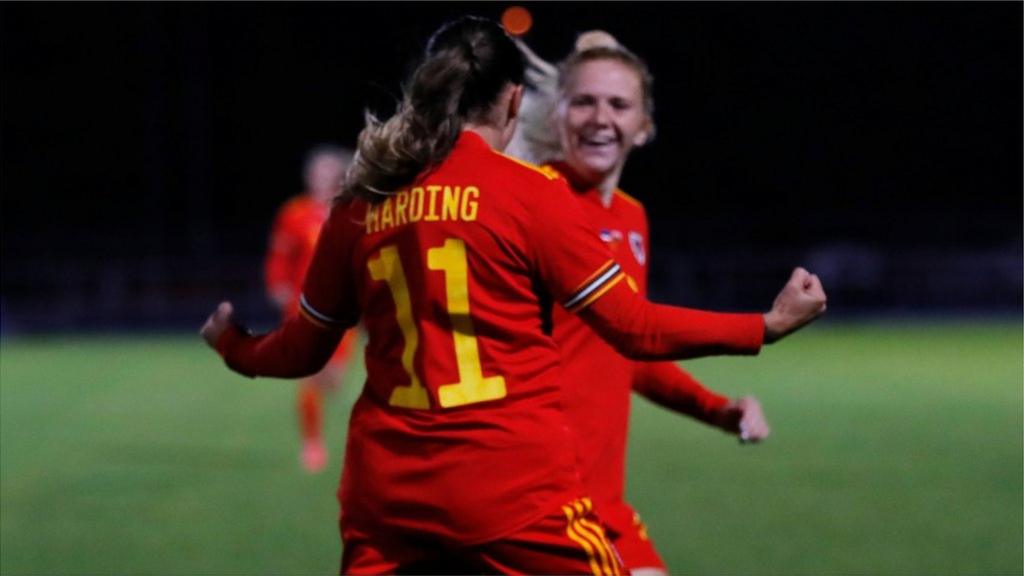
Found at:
[295, 349]
[642, 330]
[670, 386]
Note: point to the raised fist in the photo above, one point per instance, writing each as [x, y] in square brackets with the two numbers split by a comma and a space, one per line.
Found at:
[799, 302]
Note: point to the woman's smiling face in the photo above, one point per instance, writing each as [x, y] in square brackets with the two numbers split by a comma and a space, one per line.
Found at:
[602, 117]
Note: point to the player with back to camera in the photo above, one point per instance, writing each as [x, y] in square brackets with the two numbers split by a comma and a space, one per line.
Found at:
[589, 113]
[451, 254]
[292, 240]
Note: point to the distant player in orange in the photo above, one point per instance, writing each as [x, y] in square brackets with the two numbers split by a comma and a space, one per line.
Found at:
[296, 229]
[589, 114]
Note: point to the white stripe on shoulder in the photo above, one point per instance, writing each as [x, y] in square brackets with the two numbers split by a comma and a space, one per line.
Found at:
[314, 312]
[588, 290]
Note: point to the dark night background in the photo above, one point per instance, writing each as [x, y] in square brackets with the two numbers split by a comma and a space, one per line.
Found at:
[146, 147]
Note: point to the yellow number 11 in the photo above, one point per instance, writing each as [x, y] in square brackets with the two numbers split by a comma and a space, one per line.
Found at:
[472, 386]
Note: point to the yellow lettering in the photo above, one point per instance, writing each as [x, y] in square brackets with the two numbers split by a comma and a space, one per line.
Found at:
[469, 207]
[387, 267]
[472, 386]
[416, 204]
[387, 218]
[401, 203]
[450, 206]
[372, 219]
[432, 204]
[456, 204]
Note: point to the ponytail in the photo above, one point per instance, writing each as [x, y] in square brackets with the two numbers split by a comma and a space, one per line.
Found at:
[468, 62]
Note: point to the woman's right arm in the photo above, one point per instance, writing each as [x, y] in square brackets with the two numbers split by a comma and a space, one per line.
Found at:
[580, 272]
[642, 330]
[295, 349]
[305, 341]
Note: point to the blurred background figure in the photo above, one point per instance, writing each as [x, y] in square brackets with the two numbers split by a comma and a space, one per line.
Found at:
[296, 229]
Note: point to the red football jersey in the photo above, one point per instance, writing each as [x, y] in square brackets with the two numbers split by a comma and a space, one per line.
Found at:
[292, 240]
[600, 419]
[460, 432]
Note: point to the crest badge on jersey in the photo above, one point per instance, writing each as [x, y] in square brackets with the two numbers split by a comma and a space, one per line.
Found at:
[636, 244]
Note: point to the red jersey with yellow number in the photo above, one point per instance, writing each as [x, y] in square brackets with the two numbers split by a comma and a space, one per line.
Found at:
[599, 379]
[292, 241]
[460, 432]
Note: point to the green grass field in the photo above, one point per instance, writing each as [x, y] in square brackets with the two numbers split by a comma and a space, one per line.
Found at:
[896, 449]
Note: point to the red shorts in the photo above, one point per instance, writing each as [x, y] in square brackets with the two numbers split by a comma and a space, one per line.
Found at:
[631, 540]
[568, 541]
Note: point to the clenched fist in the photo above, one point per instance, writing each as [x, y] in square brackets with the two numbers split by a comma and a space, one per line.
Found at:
[799, 303]
[217, 323]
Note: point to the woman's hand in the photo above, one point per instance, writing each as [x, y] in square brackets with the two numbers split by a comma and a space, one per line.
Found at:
[799, 303]
[217, 323]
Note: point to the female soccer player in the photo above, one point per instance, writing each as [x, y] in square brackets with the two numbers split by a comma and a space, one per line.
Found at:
[451, 254]
[292, 241]
[601, 104]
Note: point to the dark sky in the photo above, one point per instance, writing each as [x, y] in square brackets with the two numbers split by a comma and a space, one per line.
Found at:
[177, 129]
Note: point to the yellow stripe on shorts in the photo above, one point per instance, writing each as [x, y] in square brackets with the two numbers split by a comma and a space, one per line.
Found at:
[603, 560]
[596, 534]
